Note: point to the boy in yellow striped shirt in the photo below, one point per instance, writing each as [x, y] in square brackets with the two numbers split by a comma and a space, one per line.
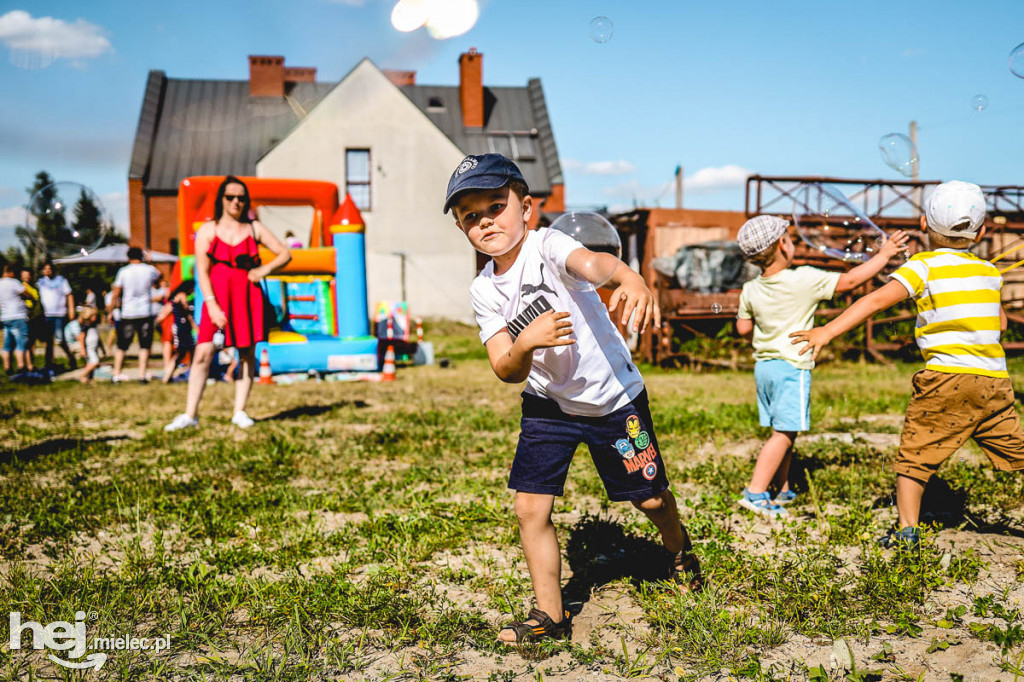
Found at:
[964, 391]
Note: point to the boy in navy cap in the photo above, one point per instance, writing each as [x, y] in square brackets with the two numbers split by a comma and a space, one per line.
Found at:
[543, 322]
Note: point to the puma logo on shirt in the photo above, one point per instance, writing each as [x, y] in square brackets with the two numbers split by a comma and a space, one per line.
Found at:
[530, 289]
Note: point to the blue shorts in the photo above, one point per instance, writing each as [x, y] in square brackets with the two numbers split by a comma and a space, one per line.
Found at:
[622, 445]
[15, 335]
[783, 395]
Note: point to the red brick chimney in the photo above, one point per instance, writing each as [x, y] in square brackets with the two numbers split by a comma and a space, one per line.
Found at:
[401, 78]
[266, 76]
[471, 88]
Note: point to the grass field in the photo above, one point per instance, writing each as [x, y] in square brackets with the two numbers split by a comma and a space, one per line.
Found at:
[364, 531]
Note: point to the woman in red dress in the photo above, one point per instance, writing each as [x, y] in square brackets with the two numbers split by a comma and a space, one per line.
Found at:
[228, 271]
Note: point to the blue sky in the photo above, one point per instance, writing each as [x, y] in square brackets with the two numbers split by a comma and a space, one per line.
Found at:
[722, 88]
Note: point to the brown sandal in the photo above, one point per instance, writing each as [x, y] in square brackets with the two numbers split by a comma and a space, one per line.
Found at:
[686, 572]
[544, 629]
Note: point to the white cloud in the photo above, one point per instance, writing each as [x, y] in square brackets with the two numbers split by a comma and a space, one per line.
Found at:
[11, 216]
[711, 178]
[116, 204]
[620, 167]
[47, 38]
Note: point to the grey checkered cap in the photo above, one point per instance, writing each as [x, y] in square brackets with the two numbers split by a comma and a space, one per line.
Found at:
[760, 232]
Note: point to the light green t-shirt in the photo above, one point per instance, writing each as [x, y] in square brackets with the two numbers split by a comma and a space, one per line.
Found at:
[782, 304]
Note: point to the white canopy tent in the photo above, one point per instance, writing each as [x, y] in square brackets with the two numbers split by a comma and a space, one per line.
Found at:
[114, 253]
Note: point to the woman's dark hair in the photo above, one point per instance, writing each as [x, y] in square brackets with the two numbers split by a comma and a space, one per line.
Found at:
[218, 208]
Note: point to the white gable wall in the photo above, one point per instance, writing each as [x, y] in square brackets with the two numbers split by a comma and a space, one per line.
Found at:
[411, 162]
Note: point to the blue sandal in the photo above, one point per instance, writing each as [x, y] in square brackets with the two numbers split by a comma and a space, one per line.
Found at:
[761, 503]
[785, 497]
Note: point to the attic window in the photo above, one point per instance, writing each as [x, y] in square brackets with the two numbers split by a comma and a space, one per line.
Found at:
[435, 104]
[513, 145]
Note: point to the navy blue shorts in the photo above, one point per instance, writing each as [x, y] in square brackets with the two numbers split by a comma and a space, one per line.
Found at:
[622, 445]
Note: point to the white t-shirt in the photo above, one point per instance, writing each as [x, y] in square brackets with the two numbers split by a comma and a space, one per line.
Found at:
[12, 305]
[53, 292]
[108, 298]
[782, 304]
[136, 280]
[156, 306]
[594, 376]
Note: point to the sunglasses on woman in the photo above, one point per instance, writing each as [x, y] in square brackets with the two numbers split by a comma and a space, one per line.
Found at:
[234, 197]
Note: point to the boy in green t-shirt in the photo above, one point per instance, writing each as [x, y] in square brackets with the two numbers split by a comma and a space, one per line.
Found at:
[781, 301]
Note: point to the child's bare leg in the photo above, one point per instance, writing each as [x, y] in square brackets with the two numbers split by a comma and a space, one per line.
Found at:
[773, 453]
[909, 492]
[781, 480]
[543, 558]
[663, 513]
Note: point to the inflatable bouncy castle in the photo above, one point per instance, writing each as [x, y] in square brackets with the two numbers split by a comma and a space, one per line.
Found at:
[319, 298]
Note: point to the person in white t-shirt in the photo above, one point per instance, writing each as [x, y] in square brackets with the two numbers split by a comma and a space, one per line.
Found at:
[14, 316]
[59, 308]
[543, 322]
[132, 289]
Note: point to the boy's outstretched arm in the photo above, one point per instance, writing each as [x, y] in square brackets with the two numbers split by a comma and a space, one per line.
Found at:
[630, 289]
[864, 307]
[865, 271]
[512, 360]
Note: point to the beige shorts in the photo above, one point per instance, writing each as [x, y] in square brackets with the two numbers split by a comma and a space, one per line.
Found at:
[947, 409]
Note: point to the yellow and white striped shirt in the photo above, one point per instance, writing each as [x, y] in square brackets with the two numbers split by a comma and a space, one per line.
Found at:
[958, 305]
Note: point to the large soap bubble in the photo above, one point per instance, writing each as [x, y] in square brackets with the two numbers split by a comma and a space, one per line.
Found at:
[601, 29]
[597, 234]
[67, 219]
[1017, 61]
[829, 223]
[979, 103]
[898, 152]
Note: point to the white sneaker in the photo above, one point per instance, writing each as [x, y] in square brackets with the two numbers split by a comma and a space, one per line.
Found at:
[119, 378]
[242, 420]
[182, 421]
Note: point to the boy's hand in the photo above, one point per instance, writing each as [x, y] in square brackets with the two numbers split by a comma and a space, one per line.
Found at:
[895, 244]
[549, 330]
[816, 339]
[634, 294]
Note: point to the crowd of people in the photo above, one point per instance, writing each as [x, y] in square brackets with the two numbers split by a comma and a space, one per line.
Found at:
[228, 271]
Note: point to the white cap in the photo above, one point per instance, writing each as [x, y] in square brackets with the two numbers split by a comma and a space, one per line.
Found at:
[760, 232]
[956, 209]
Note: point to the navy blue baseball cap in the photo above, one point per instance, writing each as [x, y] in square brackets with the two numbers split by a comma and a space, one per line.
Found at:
[484, 171]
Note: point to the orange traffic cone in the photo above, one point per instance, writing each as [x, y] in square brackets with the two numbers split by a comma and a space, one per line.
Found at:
[266, 377]
[389, 365]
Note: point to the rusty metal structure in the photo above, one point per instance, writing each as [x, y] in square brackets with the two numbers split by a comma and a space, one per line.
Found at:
[891, 205]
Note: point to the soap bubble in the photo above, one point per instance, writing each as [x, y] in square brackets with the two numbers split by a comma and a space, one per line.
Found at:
[601, 29]
[409, 15]
[827, 222]
[66, 218]
[898, 152]
[34, 58]
[716, 307]
[451, 18]
[979, 103]
[594, 232]
[1017, 61]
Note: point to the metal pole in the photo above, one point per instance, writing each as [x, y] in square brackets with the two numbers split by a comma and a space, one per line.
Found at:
[915, 165]
[679, 186]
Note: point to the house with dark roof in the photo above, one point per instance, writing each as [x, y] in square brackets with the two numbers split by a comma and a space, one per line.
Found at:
[377, 134]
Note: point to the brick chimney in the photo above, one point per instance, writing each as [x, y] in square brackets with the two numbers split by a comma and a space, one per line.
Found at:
[401, 78]
[266, 76]
[471, 88]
